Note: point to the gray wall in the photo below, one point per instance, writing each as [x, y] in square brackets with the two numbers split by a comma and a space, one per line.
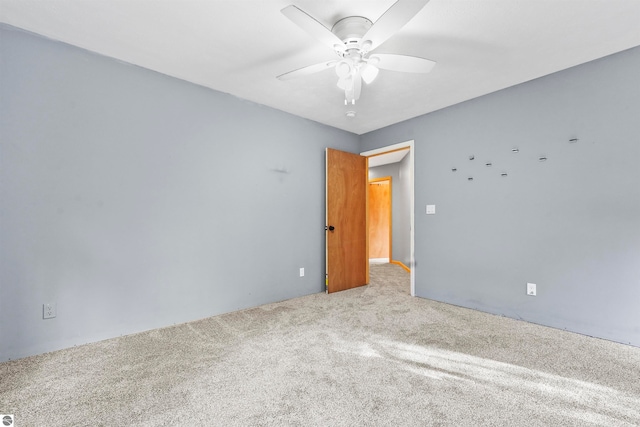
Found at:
[134, 200]
[570, 224]
[400, 207]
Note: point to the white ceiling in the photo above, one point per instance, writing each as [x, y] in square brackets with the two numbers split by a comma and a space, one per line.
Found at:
[240, 46]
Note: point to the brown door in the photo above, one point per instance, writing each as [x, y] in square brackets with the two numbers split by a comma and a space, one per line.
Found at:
[380, 218]
[347, 238]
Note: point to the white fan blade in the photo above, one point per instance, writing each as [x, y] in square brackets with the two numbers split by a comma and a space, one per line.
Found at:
[392, 20]
[313, 27]
[305, 71]
[404, 63]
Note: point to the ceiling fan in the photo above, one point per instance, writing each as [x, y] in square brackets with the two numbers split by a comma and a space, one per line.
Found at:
[353, 39]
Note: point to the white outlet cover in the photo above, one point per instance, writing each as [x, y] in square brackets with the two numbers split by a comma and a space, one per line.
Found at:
[49, 310]
[431, 209]
[531, 289]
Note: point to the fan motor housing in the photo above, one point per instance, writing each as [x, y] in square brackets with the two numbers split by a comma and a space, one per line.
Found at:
[351, 29]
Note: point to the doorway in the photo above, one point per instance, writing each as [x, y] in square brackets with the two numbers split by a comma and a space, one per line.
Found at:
[380, 214]
[393, 154]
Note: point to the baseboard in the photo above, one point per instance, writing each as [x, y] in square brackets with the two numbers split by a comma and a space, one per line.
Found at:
[401, 265]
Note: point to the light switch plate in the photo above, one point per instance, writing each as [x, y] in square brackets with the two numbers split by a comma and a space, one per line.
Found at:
[301, 271]
[431, 209]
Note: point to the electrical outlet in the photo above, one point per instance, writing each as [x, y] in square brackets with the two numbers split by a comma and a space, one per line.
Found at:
[531, 289]
[49, 310]
[301, 271]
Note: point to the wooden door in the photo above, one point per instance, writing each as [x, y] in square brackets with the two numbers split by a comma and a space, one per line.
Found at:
[380, 218]
[347, 237]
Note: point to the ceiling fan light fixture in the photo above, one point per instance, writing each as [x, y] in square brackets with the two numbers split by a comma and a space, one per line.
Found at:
[350, 94]
[343, 69]
[346, 83]
[369, 73]
[353, 38]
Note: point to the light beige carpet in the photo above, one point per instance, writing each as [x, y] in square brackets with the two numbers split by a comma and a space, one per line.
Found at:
[372, 356]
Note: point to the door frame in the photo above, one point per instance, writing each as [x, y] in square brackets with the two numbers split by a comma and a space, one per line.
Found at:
[394, 147]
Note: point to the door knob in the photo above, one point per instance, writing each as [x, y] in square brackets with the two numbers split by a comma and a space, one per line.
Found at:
[331, 228]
